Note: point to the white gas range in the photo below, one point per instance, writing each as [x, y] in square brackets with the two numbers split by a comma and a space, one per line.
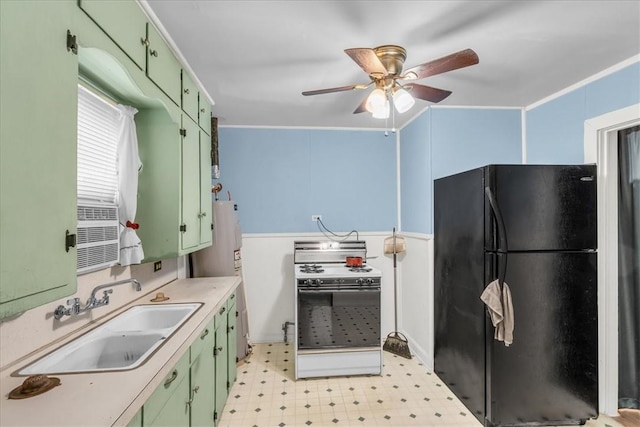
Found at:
[337, 314]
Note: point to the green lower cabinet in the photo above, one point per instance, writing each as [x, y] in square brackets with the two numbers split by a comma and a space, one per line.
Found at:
[221, 362]
[203, 379]
[137, 420]
[232, 340]
[194, 393]
[168, 405]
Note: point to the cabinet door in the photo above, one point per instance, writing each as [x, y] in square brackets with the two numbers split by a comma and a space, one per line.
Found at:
[189, 96]
[38, 128]
[203, 379]
[136, 421]
[190, 184]
[175, 412]
[221, 361]
[204, 114]
[124, 22]
[167, 406]
[232, 339]
[206, 214]
[162, 66]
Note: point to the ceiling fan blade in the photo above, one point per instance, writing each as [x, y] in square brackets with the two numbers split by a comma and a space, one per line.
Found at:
[330, 90]
[367, 59]
[461, 59]
[427, 93]
[361, 108]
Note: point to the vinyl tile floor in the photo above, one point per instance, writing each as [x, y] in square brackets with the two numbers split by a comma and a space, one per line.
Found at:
[406, 394]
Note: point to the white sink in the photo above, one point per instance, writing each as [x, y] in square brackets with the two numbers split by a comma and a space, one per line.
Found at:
[121, 343]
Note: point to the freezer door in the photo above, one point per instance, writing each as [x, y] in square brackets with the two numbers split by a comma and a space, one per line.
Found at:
[549, 375]
[458, 282]
[544, 207]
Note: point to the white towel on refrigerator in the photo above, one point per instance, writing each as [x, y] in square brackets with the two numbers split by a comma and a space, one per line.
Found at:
[500, 308]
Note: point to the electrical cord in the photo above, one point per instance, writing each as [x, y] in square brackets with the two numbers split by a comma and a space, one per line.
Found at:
[344, 237]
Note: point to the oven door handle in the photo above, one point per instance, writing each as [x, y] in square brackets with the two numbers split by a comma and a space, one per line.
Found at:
[326, 290]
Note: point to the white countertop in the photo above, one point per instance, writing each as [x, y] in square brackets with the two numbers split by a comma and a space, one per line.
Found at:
[113, 398]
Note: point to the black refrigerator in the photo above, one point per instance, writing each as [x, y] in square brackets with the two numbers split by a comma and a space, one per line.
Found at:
[533, 227]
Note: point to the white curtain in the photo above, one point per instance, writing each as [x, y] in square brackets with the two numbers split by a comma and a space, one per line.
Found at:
[128, 167]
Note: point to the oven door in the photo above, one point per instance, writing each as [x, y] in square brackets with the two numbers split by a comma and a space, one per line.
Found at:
[338, 318]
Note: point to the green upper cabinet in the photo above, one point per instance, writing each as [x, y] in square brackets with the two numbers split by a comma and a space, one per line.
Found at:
[38, 127]
[171, 189]
[206, 213]
[162, 66]
[124, 22]
[189, 96]
[204, 114]
[191, 213]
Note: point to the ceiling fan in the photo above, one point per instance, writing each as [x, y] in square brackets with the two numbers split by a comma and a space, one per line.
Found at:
[384, 64]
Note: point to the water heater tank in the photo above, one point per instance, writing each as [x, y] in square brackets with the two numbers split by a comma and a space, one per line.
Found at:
[222, 258]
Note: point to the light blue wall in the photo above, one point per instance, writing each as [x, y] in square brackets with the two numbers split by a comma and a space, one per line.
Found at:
[280, 177]
[445, 141]
[466, 138]
[415, 174]
[555, 130]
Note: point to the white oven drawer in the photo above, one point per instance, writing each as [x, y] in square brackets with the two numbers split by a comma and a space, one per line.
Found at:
[338, 363]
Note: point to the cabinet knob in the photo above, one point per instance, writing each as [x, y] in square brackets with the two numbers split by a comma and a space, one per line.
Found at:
[202, 110]
[153, 53]
[186, 91]
[204, 334]
[144, 41]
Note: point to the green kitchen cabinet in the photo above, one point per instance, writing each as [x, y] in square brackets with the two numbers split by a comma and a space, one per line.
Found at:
[38, 126]
[162, 66]
[124, 22]
[172, 187]
[232, 339]
[221, 362]
[204, 114]
[168, 405]
[190, 97]
[202, 375]
[136, 421]
[195, 104]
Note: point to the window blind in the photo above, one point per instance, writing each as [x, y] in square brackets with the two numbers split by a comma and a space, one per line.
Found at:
[98, 127]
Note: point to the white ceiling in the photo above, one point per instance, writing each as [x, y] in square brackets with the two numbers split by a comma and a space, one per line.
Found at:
[256, 57]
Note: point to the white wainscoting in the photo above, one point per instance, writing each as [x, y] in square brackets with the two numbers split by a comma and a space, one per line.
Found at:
[267, 265]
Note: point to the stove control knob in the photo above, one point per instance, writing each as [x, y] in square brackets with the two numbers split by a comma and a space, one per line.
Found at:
[369, 281]
[319, 282]
[308, 282]
[360, 281]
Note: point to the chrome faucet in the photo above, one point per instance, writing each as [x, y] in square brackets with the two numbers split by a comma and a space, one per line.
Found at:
[74, 303]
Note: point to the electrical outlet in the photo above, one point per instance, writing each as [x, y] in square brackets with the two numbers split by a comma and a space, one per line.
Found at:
[157, 266]
[315, 218]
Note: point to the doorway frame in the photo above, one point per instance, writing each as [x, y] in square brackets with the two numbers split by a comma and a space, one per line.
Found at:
[600, 147]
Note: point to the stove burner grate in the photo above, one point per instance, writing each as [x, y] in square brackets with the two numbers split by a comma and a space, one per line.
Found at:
[363, 269]
[311, 268]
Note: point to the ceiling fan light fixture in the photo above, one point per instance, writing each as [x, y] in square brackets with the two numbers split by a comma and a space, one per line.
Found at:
[402, 100]
[376, 100]
[382, 111]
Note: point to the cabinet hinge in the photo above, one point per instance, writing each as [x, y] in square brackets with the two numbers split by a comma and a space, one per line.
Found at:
[236, 313]
[212, 226]
[69, 241]
[183, 132]
[183, 228]
[228, 385]
[72, 43]
[215, 415]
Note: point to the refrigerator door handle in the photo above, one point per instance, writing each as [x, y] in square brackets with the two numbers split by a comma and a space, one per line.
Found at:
[503, 246]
